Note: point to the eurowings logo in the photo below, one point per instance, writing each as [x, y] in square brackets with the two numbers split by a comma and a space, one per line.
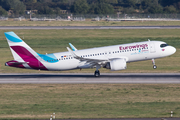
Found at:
[133, 47]
[163, 49]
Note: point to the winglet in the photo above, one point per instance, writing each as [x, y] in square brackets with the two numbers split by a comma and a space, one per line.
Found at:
[72, 53]
[72, 46]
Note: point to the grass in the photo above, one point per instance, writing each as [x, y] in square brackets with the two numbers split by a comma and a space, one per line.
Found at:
[49, 41]
[88, 100]
[89, 23]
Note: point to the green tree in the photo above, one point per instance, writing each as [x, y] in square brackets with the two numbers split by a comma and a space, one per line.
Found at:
[129, 10]
[17, 6]
[170, 9]
[151, 6]
[45, 10]
[2, 11]
[131, 3]
[80, 7]
[108, 1]
[155, 9]
[60, 1]
[101, 8]
[57, 10]
[30, 1]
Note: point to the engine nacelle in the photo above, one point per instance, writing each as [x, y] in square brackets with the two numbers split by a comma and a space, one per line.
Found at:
[116, 64]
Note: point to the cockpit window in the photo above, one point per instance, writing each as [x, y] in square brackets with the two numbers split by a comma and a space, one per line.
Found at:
[163, 45]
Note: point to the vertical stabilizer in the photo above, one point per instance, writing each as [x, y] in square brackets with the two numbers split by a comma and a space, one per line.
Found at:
[18, 47]
[24, 56]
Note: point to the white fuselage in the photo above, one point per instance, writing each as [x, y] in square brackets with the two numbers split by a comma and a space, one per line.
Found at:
[130, 52]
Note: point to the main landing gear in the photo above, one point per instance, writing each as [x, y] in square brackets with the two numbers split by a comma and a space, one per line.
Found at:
[97, 72]
[153, 62]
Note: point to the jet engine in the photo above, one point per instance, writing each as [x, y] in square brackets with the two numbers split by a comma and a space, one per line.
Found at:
[116, 64]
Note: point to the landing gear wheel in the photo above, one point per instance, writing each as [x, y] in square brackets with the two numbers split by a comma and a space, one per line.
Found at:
[97, 73]
[154, 66]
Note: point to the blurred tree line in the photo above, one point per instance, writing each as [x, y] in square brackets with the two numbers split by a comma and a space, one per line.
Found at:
[90, 6]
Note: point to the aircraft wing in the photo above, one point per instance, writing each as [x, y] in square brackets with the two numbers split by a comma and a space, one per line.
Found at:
[88, 60]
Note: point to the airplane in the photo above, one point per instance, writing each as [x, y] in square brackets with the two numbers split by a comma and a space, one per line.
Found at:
[110, 57]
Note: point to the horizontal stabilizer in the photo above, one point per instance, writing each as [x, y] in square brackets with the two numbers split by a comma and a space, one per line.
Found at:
[17, 63]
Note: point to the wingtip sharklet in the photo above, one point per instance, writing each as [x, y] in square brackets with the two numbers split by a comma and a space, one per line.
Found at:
[72, 46]
[72, 53]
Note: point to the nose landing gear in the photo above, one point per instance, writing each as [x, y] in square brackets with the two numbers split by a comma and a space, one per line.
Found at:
[153, 62]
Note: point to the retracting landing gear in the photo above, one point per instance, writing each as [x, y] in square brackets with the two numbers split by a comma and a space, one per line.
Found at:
[153, 62]
[97, 72]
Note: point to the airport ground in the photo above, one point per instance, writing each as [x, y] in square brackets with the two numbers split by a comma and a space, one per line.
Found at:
[39, 101]
[89, 23]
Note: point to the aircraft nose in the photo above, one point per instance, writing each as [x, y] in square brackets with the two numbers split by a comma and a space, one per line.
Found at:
[169, 50]
[173, 50]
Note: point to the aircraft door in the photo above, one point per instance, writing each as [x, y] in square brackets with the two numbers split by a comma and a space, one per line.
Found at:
[152, 47]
